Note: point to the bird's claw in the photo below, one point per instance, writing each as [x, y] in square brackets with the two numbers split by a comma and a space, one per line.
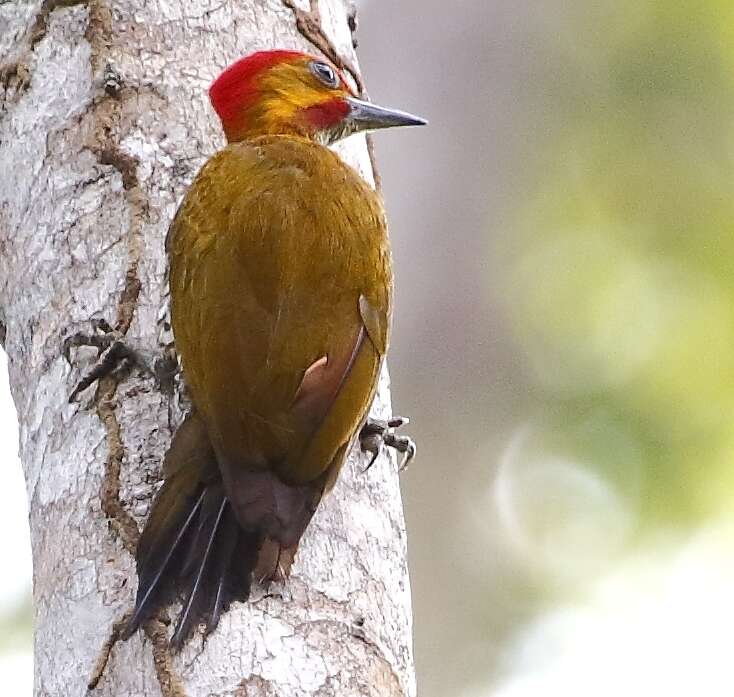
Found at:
[378, 433]
[101, 337]
[114, 356]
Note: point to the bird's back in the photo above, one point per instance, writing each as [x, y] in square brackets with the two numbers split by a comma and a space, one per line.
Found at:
[274, 251]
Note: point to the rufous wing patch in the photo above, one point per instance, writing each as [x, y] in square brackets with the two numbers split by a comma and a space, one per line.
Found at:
[312, 378]
[323, 379]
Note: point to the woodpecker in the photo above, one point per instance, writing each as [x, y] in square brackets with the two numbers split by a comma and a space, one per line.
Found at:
[281, 290]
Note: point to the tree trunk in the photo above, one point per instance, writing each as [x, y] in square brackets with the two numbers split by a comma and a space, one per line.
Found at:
[104, 122]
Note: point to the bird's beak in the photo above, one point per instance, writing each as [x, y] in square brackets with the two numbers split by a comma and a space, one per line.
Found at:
[369, 117]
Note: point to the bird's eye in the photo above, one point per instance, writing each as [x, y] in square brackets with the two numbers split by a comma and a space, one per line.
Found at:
[325, 73]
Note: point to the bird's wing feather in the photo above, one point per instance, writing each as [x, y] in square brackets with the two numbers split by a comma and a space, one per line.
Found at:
[279, 260]
[376, 322]
[322, 380]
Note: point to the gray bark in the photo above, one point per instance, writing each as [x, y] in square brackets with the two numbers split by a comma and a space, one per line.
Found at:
[104, 120]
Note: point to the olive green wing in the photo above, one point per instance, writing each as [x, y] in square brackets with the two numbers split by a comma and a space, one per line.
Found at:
[281, 293]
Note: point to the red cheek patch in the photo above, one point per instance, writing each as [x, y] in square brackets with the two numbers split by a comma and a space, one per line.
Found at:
[326, 114]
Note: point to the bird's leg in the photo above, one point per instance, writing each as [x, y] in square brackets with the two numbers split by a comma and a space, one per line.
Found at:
[378, 433]
[114, 356]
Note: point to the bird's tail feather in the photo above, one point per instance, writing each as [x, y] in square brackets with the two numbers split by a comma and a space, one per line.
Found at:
[202, 555]
[204, 542]
[208, 566]
[192, 545]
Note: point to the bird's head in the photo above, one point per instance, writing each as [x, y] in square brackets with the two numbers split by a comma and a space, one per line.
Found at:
[291, 93]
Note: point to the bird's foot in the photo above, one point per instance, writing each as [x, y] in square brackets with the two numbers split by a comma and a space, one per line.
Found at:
[377, 433]
[114, 356]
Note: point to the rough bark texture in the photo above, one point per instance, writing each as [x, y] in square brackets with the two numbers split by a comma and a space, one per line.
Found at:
[103, 122]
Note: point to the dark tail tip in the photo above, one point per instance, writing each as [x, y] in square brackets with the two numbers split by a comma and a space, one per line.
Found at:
[203, 546]
[192, 547]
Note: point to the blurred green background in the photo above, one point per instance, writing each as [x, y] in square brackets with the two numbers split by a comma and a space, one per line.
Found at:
[564, 340]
